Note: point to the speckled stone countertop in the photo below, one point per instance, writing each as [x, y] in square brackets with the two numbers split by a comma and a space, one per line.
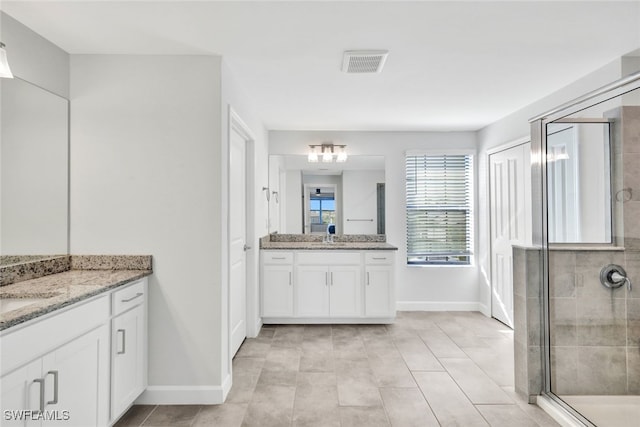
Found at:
[52, 292]
[355, 242]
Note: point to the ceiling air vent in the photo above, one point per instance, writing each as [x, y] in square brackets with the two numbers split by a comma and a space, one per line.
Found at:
[364, 61]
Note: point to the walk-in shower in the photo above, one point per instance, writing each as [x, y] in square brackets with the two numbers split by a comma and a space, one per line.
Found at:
[580, 285]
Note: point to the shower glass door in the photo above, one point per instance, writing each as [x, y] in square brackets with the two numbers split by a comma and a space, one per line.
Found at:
[591, 222]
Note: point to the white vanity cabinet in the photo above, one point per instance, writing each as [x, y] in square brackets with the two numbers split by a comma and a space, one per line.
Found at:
[74, 363]
[68, 378]
[128, 347]
[277, 284]
[327, 286]
[379, 292]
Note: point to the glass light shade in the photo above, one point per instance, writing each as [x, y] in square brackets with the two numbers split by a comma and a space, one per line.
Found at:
[312, 157]
[342, 155]
[5, 71]
[327, 155]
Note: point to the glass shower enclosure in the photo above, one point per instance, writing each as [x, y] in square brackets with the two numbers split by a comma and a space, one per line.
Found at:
[587, 172]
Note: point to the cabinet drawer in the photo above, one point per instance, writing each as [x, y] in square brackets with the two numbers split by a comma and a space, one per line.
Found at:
[328, 258]
[378, 257]
[277, 257]
[128, 297]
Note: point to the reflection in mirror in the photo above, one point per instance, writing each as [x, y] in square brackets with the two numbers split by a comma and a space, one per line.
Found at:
[34, 171]
[579, 181]
[350, 196]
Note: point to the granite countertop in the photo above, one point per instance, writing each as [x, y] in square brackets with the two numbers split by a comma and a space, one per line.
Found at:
[369, 246]
[52, 292]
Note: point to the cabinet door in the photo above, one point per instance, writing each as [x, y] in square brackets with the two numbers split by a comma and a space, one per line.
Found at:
[378, 296]
[277, 291]
[344, 291]
[127, 358]
[77, 380]
[20, 393]
[312, 291]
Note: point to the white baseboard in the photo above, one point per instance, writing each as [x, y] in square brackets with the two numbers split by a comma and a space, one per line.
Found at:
[437, 306]
[484, 309]
[185, 395]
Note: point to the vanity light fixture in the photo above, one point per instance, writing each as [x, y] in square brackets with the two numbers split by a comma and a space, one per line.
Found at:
[5, 71]
[328, 150]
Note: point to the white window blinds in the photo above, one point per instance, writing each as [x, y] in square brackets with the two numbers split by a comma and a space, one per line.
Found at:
[439, 220]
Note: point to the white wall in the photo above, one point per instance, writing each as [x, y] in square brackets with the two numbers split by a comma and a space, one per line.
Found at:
[432, 287]
[145, 179]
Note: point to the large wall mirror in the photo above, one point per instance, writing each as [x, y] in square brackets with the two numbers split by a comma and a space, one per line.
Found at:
[34, 178]
[311, 197]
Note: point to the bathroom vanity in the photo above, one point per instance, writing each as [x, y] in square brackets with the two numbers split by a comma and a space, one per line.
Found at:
[74, 343]
[304, 280]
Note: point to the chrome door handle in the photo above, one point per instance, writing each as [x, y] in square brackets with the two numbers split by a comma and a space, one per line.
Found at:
[246, 248]
[123, 341]
[55, 387]
[138, 295]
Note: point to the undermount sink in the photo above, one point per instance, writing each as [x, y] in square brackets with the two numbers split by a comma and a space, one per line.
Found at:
[10, 304]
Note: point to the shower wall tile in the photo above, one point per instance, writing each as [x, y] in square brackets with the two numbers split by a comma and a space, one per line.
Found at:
[564, 370]
[632, 267]
[633, 370]
[633, 322]
[602, 370]
[588, 266]
[563, 322]
[631, 129]
[520, 319]
[534, 278]
[632, 223]
[601, 322]
[562, 274]
[519, 272]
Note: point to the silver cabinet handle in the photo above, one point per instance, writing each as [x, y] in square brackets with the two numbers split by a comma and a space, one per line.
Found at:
[381, 258]
[326, 278]
[278, 257]
[123, 341]
[332, 278]
[289, 278]
[40, 381]
[55, 387]
[367, 278]
[138, 295]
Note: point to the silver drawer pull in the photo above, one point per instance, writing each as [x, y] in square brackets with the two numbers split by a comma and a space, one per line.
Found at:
[123, 341]
[40, 381]
[138, 295]
[368, 278]
[55, 387]
[382, 258]
[278, 257]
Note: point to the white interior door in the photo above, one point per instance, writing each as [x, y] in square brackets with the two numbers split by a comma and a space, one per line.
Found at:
[237, 238]
[510, 194]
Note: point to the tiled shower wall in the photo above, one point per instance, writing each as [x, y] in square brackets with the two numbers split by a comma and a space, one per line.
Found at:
[595, 331]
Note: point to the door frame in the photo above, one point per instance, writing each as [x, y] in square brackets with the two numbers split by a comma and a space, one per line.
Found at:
[236, 124]
[528, 223]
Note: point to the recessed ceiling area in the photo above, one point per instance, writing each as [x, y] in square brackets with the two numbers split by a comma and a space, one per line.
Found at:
[451, 65]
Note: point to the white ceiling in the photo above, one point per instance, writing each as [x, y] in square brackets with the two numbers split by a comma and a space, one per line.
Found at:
[452, 65]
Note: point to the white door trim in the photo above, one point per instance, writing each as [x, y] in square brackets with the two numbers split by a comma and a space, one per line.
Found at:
[236, 124]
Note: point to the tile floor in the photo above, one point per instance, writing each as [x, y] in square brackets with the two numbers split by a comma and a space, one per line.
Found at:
[427, 369]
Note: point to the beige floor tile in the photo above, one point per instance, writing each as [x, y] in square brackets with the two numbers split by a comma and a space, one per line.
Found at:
[505, 416]
[172, 415]
[440, 344]
[271, 406]
[406, 407]
[416, 354]
[363, 416]
[449, 404]
[391, 372]
[135, 416]
[478, 387]
[242, 388]
[356, 390]
[227, 415]
[496, 360]
[316, 401]
[317, 361]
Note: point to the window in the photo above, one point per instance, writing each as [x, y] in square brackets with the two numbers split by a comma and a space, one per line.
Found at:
[439, 219]
[323, 211]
